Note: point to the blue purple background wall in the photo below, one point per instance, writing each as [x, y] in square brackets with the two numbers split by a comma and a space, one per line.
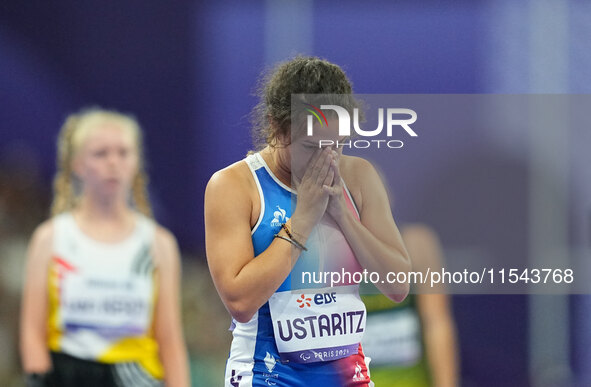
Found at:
[188, 71]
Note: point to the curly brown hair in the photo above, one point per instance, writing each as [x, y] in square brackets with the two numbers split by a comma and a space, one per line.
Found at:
[273, 116]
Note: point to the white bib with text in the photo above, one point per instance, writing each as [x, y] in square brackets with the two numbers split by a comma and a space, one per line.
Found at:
[319, 325]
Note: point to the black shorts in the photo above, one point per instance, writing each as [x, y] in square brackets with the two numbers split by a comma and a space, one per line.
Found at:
[69, 371]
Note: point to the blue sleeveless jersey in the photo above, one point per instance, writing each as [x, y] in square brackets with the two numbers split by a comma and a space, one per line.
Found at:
[254, 358]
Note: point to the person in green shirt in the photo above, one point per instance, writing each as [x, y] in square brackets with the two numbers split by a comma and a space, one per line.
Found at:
[413, 343]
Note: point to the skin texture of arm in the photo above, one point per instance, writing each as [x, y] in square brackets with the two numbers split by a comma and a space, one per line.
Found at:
[245, 283]
[33, 322]
[434, 309]
[375, 240]
[168, 326]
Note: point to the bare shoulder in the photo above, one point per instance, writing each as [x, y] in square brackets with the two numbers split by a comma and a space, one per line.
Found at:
[236, 176]
[43, 234]
[41, 244]
[231, 194]
[165, 247]
[355, 168]
[232, 185]
[423, 245]
[164, 238]
[419, 234]
[357, 173]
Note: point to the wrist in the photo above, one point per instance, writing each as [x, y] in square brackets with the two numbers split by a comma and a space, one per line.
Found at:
[343, 216]
[300, 227]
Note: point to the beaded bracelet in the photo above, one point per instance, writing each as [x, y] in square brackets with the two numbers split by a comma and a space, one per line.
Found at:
[284, 226]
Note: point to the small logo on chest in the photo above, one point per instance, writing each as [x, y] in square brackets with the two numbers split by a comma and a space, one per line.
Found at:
[279, 217]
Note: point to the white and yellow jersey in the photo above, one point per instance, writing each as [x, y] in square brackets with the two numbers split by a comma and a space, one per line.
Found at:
[102, 296]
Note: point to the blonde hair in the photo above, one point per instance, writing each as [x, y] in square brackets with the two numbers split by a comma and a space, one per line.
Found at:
[70, 138]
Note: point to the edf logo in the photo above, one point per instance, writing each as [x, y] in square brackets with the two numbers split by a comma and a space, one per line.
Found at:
[325, 298]
[319, 299]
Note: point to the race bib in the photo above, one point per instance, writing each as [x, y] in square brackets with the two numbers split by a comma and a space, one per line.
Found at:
[112, 307]
[319, 325]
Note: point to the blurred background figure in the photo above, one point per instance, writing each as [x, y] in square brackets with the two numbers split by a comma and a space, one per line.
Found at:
[413, 343]
[100, 305]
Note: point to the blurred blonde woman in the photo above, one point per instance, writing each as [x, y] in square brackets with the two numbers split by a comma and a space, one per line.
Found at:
[101, 297]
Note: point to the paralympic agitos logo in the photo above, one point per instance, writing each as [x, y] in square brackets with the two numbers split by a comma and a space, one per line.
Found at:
[394, 118]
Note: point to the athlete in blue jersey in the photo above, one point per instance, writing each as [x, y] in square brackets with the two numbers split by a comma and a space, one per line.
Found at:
[288, 208]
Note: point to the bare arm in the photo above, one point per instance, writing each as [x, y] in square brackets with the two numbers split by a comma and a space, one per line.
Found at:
[33, 323]
[168, 326]
[243, 282]
[434, 309]
[375, 240]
